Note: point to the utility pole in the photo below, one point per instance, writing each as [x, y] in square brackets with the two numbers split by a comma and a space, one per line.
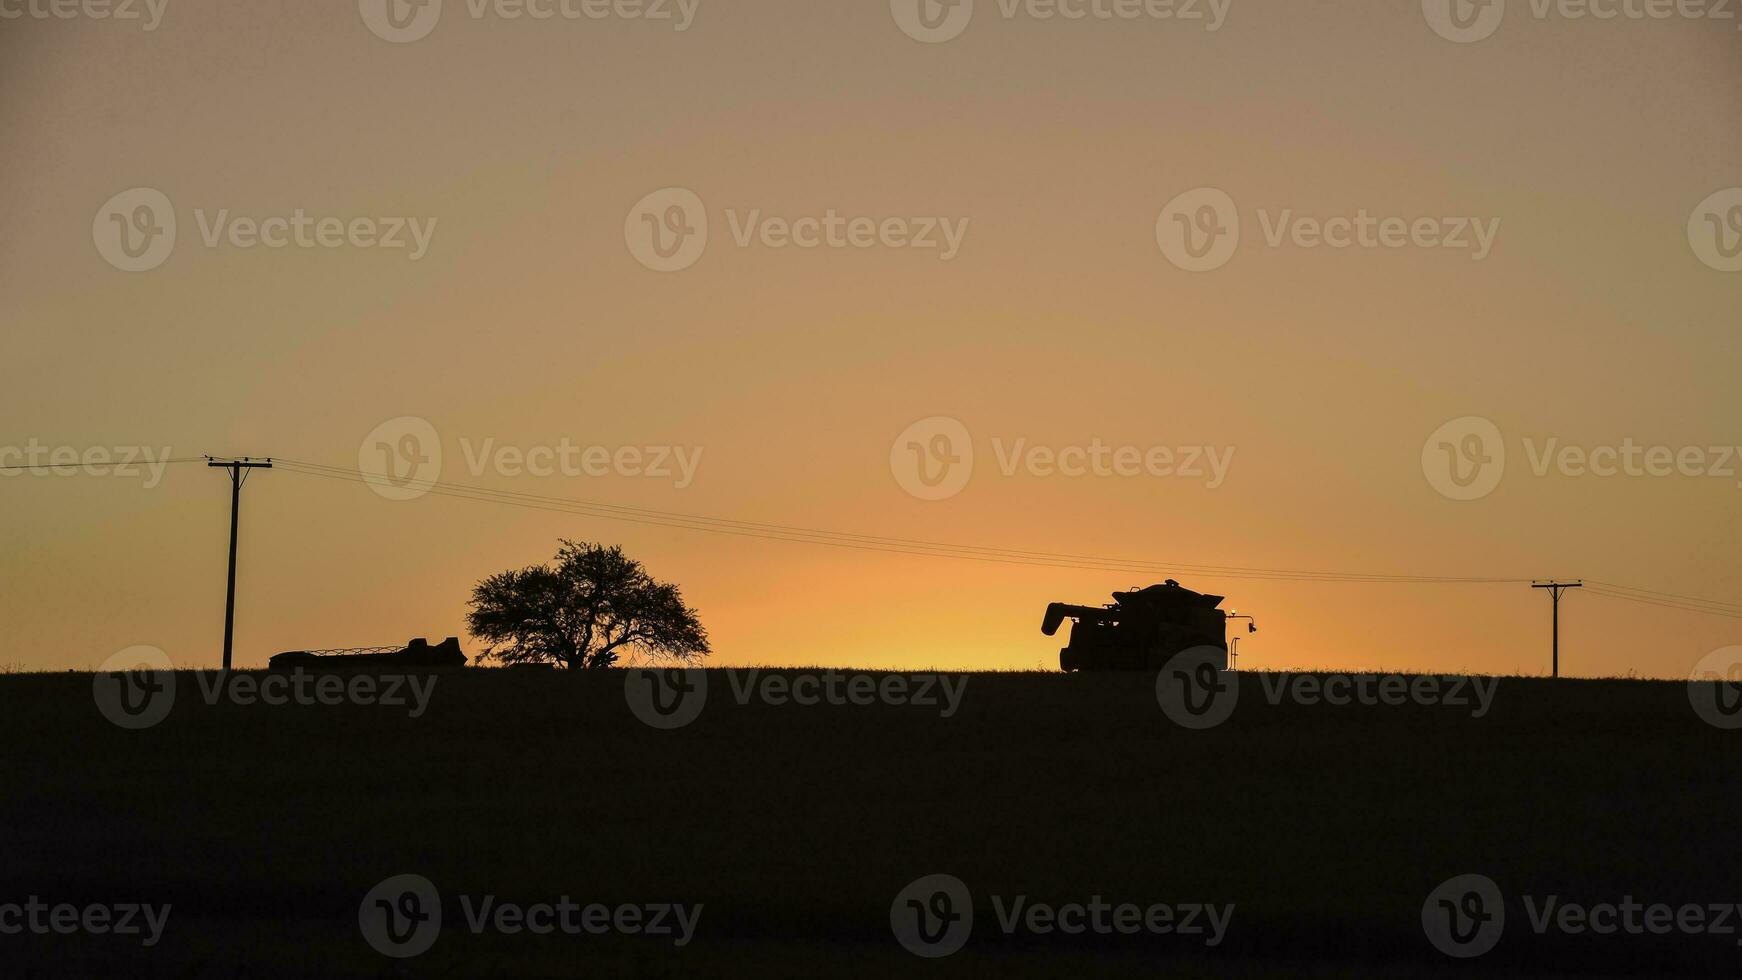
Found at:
[238, 475]
[1555, 590]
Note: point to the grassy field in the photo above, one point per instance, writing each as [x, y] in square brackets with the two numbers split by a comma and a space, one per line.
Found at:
[795, 827]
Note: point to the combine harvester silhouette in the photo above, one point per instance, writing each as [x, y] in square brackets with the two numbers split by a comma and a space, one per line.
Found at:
[1142, 629]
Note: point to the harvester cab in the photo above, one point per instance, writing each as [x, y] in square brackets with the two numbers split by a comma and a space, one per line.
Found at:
[1141, 629]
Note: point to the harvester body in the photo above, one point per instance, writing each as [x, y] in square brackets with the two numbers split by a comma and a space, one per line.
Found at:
[1141, 629]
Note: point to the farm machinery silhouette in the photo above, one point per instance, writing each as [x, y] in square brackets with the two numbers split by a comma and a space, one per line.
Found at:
[419, 654]
[1142, 629]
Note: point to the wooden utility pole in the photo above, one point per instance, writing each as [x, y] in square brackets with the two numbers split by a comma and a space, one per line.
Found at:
[1555, 590]
[238, 476]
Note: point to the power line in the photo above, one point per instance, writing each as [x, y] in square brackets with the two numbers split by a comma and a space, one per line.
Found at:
[780, 532]
[937, 549]
[110, 464]
[1672, 597]
[925, 548]
[1708, 610]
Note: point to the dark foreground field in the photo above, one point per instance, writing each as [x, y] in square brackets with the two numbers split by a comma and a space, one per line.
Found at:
[796, 826]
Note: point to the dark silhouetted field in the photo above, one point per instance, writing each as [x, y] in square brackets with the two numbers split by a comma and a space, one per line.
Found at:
[796, 826]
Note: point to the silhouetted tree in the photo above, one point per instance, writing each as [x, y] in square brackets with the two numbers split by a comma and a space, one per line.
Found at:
[591, 606]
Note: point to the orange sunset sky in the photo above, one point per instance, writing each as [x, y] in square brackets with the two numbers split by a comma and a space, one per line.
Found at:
[524, 147]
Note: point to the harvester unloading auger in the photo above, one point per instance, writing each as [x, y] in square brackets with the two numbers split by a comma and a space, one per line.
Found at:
[1141, 629]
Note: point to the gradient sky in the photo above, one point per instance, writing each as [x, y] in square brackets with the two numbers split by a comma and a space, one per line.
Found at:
[1059, 322]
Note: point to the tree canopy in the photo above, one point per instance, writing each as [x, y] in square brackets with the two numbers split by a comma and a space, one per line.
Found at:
[589, 608]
